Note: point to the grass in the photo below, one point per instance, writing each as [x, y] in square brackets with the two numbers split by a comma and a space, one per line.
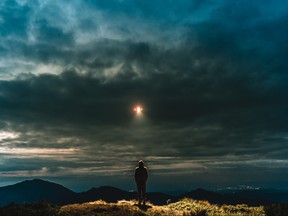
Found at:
[121, 208]
[185, 207]
[203, 208]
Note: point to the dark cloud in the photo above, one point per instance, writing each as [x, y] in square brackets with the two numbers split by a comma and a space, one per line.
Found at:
[210, 75]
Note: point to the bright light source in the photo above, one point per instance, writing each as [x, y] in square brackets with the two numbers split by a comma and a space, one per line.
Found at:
[138, 109]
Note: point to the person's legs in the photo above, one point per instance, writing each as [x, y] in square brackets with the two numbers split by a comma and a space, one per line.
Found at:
[139, 191]
[143, 190]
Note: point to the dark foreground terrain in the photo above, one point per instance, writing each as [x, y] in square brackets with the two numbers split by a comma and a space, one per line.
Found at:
[41, 198]
[185, 207]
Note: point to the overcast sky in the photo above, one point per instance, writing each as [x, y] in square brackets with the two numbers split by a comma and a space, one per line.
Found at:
[211, 76]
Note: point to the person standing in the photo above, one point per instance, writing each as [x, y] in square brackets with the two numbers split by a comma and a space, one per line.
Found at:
[141, 176]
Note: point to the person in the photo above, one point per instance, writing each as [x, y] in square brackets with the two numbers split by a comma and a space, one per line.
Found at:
[141, 176]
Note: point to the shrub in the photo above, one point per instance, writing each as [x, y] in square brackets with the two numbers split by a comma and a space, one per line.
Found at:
[276, 210]
[34, 209]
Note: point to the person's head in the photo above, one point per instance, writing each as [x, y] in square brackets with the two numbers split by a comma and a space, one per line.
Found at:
[141, 163]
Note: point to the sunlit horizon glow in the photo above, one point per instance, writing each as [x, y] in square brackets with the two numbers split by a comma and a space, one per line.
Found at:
[8, 135]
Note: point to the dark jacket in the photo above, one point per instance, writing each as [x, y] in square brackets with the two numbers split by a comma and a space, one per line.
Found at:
[141, 175]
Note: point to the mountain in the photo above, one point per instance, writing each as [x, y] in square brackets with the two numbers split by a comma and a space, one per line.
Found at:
[35, 190]
[107, 193]
[112, 194]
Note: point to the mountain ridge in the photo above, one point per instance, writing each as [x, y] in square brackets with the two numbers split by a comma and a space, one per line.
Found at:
[35, 190]
[38, 190]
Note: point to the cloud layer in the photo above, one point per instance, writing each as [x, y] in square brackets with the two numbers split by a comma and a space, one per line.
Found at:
[211, 75]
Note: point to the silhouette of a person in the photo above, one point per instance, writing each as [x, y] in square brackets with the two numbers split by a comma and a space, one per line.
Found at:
[141, 176]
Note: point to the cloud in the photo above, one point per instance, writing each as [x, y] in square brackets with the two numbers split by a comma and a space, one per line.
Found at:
[211, 76]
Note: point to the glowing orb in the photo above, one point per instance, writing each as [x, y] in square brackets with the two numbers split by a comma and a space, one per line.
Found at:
[138, 109]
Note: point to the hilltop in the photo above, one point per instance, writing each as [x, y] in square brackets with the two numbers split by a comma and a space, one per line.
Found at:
[185, 207]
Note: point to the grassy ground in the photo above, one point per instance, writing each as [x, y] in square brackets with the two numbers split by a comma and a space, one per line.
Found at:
[186, 207]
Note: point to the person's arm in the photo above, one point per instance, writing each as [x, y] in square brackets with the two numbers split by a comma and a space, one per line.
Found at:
[135, 175]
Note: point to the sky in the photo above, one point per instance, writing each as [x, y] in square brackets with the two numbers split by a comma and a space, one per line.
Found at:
[211, 76]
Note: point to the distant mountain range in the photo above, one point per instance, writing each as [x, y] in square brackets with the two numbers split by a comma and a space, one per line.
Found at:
[37, 190]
